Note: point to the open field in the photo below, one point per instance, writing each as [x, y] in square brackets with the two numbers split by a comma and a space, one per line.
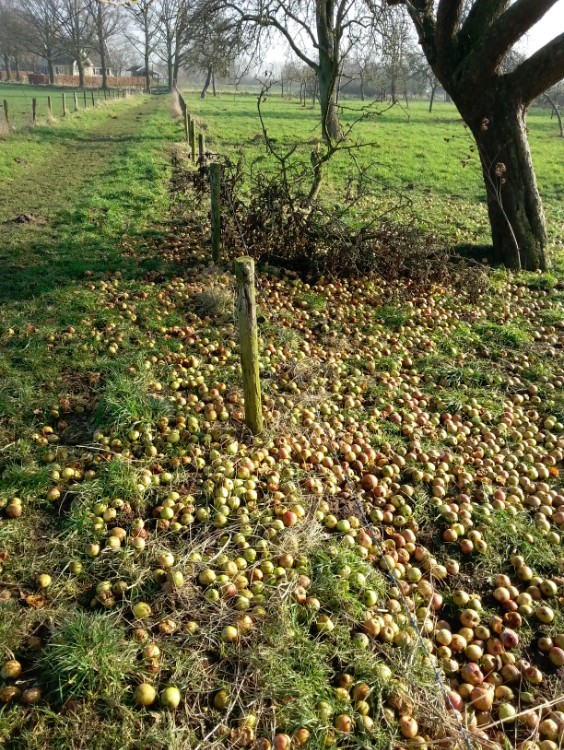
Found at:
[169, 582]
[417, 153]
[20, 98]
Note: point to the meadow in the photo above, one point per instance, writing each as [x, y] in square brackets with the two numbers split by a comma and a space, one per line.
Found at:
[422, 163]
[380, 569]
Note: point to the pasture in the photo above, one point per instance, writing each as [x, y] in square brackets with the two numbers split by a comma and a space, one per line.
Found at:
[421, 166]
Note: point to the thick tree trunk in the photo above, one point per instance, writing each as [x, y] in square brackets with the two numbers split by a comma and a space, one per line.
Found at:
[514, 204]
[361, 87]
[8, 65]
[214, 92]
[170, 74]
[146, 52]
[51, 69]
[206, 83]
[17, 64]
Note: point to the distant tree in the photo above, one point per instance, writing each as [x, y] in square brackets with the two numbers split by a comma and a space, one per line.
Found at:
[144, 36]
[173, 37]
[42, 30]
[76, 32]
[12, 31]
[466, 43]
[319, 32]
[107, 21]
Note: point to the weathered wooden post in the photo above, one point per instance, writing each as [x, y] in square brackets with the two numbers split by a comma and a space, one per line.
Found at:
[85, 101]
[92, 94]
[75, 97]
[105, 94]
[193, 140]
[202, 149]
[34, 112]
[6, 113]
[64, 104]
[215, 197]
[248, 342]
[49, 108]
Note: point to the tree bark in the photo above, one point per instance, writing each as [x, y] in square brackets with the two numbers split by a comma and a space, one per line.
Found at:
[146, 51]
[80, 66]
[206, 83]
[515, 209]
[51, 68]
[214, 92]
[8, 65]
[327, 69]
[102, 44]
[17, 64]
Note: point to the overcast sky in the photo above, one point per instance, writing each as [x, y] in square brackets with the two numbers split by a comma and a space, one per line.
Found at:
[550, 26]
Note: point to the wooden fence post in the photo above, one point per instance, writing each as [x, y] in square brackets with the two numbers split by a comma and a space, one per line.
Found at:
[215, 197]
[75, 97]
[92, 94]
[64, 104]
[85, 101]
[193, 140]
[49, 108]
[6, 113]
[33, 112]
[105, 94]
[202, 149]
[248, 342]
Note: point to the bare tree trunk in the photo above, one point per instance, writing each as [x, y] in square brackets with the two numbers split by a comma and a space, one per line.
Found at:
[327, 70]
[514, 204]
[51, 68]
[80, 66]
[8, 65]
[146, 51]
[17, 64]
[555, 111]
[101, 43]
[432, 99]
[361, 87]
[206, 83]
[282, 85]
[214, 92]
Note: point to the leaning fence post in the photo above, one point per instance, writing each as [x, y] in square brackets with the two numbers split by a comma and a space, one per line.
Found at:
[215, 197]
[193, 140]
[49, 108]
[64, 105]
[6, 113]
[248, 342]
[201, 149]
[75, 97]
[84, 97]
[34, 112]
[92, 95]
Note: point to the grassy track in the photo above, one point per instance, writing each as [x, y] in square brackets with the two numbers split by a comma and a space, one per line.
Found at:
[418, 153]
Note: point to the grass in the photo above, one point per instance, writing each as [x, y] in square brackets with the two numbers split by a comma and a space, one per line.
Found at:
[87, 655]
[20, 98]
[415, 152]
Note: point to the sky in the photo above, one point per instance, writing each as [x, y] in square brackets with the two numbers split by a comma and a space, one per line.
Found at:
[547, 28]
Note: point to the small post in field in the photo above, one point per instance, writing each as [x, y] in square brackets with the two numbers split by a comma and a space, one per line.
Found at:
[193, 140]
[6, 113]
[92, 94]
[248, 342]
[201, 149]
[75, 97]
[85, 102]
[215, 197]
[49, 108]
[33, 112]
[64, 104]
[105, 94]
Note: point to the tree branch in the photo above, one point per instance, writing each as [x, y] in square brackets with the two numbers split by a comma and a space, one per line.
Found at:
[486, 55]
[481, 16]
[448, 17]
[539, 72]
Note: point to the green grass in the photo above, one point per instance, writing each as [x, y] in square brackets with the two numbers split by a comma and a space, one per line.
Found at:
[414, 152]
[20, 98]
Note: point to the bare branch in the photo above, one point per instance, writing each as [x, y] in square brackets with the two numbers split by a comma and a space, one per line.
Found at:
[486, 56]
[480, 17]
[448, 17]
[539, 72]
